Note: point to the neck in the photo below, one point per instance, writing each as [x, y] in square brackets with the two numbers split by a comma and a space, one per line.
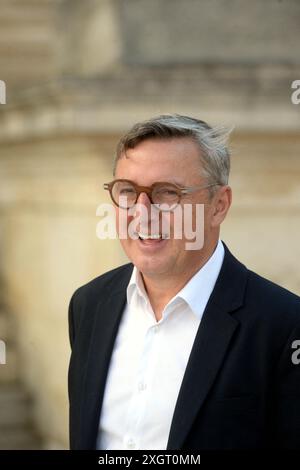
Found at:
[162, 289]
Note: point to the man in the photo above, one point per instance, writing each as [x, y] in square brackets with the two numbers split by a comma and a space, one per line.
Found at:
[182, 348]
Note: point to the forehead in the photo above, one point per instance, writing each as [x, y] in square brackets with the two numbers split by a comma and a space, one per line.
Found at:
[160, 157]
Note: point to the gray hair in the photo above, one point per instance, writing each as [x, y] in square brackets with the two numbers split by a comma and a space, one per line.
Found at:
[212, 142]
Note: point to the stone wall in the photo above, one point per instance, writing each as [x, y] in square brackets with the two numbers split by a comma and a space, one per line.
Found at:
[219, 31]
[49, 194]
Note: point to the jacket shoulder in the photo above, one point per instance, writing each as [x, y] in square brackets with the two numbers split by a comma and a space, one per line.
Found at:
[272, 289]
[87, 296]
[84, 301]
[105, 281]
[274, 299]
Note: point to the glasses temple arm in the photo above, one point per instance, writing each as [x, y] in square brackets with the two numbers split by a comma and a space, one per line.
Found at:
[195, 188]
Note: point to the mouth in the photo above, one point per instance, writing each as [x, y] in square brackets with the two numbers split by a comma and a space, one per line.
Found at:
[151, 240]
[145, 236]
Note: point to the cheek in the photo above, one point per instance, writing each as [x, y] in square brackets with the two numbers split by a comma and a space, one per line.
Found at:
[122, 221]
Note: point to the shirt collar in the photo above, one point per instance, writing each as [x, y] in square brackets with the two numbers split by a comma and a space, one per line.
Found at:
[198, 289]
[136, 283]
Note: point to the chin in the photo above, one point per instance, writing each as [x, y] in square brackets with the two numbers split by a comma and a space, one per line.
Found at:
[150, 264]
[151, 267]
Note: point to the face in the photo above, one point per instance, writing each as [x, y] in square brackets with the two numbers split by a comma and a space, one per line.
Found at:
[174, 161]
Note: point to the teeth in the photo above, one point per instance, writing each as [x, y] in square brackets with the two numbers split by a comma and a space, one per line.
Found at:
[146, 237]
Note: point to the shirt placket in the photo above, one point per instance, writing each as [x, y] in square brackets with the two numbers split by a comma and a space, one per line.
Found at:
[142, 385]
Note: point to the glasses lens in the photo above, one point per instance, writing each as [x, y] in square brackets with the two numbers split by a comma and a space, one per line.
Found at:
[166, 196]
[124, 194]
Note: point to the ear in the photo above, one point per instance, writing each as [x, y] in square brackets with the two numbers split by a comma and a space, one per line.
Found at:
[221, 204]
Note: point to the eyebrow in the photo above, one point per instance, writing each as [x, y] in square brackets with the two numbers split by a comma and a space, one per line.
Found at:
[172, 181]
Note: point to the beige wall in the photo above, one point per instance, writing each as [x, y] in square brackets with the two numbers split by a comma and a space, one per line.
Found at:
[263, 225]
[49, 194]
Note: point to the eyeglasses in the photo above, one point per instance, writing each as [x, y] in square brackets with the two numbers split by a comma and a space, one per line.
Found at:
[165, 196]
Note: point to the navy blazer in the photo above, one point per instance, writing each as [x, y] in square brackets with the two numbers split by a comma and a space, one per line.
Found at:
[241, 388]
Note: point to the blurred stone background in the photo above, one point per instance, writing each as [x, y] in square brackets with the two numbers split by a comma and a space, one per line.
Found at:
[78, 75]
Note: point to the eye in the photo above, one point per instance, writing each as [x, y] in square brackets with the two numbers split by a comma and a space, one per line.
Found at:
[127, 190]
[167, 192]
[170, 192]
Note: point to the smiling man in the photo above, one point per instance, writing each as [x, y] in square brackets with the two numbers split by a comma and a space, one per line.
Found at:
[181, 348]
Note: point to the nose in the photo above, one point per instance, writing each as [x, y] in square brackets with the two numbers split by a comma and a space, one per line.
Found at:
[144, 199]
[143, 211]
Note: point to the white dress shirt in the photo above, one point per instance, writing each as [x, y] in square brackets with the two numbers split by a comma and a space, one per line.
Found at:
[149, 360]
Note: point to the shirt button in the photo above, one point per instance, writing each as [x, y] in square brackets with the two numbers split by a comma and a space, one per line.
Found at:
[142, 386]
[130, 443]
[155, 329]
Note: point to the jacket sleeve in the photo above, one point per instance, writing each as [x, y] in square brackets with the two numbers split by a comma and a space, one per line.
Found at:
[71, 321]
[288, 397]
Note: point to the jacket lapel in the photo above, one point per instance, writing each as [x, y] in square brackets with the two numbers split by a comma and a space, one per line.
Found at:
[107, 319]
[211, 343]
